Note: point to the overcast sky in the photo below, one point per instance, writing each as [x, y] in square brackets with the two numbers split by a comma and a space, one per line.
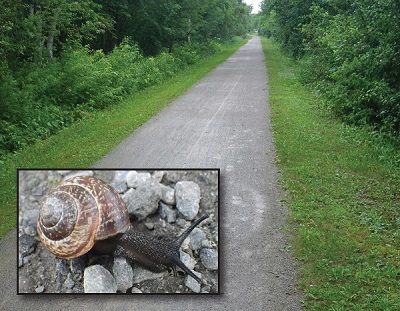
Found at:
[254, 3]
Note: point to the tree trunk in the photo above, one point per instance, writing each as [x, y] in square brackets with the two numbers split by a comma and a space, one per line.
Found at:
[34, 9]
[189, 30]
[51, 34]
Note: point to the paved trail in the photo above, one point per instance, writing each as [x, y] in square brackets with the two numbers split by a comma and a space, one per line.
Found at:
[221, 122]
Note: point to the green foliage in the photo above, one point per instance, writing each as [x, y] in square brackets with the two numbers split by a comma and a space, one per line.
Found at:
[86, 79]
[282, 21]
[158, 25]
[193, 52]
[43, 98]
[350, 54]
[186, 54]
[342, 186]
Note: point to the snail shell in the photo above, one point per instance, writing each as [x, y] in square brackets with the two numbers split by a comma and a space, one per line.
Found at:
[77, 213]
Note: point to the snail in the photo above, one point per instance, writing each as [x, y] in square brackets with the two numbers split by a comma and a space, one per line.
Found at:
[85, 211]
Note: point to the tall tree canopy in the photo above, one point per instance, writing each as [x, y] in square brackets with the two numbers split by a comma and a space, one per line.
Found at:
[161, 24]
[37, 30]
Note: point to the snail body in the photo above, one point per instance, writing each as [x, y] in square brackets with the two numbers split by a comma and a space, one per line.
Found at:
[155, 254]
[84, 210]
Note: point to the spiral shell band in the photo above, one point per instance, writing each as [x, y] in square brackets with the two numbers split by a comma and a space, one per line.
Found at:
[78, 212]
[58, 216]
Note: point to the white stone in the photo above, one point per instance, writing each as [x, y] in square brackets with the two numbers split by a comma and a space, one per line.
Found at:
[191, 283]
[167, 195]
[187, 195]
[97, 279]
[135, 179]
[123, 274]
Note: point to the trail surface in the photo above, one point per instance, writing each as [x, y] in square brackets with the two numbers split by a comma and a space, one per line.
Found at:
[221, 122]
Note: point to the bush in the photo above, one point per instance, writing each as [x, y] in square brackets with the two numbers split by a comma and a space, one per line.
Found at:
[40, 99]
[187, 54]
[87, 79]
[124, 59]
[353, 61]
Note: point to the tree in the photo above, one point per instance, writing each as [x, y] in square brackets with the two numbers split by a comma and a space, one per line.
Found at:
[155, 25]
[49, 24]
[349, 51]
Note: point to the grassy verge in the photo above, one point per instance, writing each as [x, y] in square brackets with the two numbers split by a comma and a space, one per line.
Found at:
[86, 141]
[344, 194]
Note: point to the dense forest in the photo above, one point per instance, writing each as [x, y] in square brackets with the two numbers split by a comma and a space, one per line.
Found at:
[62, 59]
[349, 52]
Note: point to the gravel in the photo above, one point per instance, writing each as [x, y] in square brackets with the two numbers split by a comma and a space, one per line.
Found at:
[41, 272]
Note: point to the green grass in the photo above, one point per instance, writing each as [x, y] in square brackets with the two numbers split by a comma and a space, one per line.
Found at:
[344, 193]
[88, 140]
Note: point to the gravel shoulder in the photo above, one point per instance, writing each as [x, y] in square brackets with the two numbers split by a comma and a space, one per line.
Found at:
[221, 122]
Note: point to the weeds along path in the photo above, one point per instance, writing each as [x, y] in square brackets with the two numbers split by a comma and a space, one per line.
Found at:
[221, 122]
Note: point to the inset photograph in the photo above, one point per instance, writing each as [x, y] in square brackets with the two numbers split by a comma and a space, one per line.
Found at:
[118, 231]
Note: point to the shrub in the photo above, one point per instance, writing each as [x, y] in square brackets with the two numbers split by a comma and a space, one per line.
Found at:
[87, 78]
[40, 99]
[124, 59]
[349, 53]
[186, 54]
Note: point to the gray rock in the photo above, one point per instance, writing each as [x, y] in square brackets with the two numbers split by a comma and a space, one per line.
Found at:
[182, 223]
[20, 260]
[135, 179]
[98, 279]
[120, 186]
[30, 216]
[77, 265]
[39, 289]
[28, 258]
[136, 290]
[209, 258]
[69, 282]
[206, 289]
[140, 274]
[27, 245]
[187, 195]
[158, 175]
[149, 225]
[143, 201]
[121, 176]
[192, 283]
[123, 274]
[30, 230]
[196, 239]
[206, 244]
[167, 213]
[62, 267]
[167, 195]
[187, 259]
